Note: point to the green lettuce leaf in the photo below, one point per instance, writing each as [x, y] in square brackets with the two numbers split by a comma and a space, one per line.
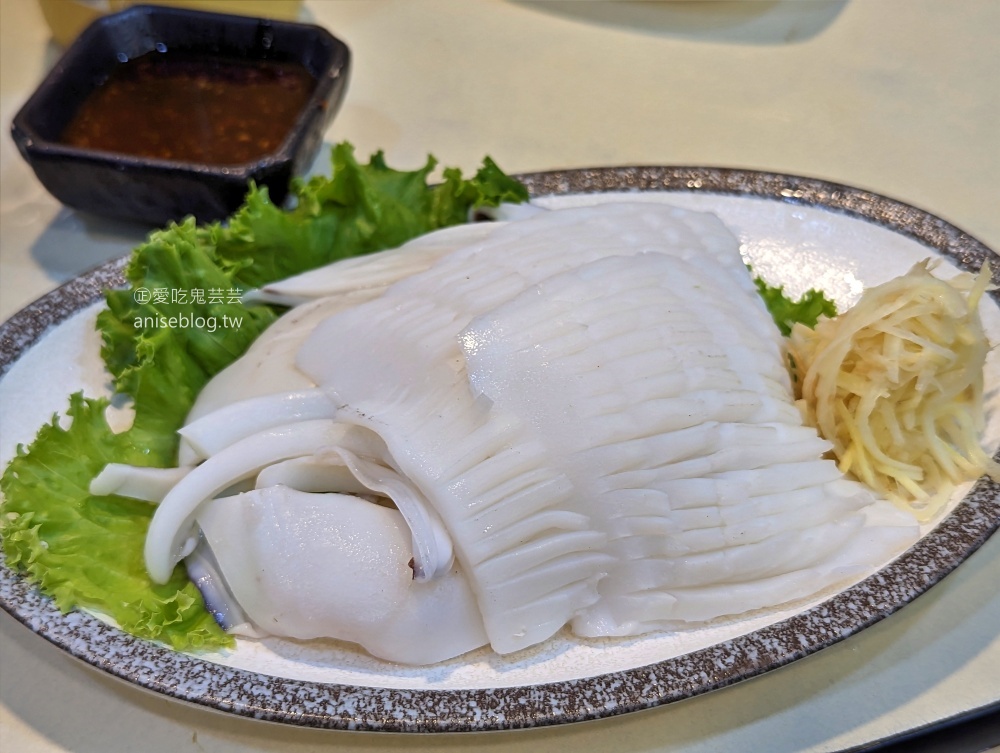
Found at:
[785, 311]
[87, 551]
[180, 322]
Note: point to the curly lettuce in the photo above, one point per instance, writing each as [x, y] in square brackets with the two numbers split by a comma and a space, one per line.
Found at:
[786, 311]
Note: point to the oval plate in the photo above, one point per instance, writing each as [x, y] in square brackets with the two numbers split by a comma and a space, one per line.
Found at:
[793, 231]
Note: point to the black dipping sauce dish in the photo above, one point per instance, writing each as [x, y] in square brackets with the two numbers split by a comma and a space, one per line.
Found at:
[127, 180]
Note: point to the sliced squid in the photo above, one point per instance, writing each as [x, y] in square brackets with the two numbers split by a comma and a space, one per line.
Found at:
[268, 366]
[374, 272]
[577, 417]
[308, 565]
[221, 428]
[137, 482]
[314, 473]
[172, 532]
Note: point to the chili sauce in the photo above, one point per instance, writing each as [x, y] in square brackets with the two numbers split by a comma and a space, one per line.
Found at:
[192, 108]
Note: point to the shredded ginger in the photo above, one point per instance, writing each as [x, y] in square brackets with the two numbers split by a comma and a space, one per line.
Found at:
[896, 384]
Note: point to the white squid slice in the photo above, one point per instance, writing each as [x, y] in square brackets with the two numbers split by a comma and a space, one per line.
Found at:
[362, 453]
[172, 525]
[314, 473]
[217, 430]
[626, 610]
[348, 472]
[203, 570]
[137, 482]
[506, 212]
[329, 565]
[431, 543]
[373, 272]
[618, 454]
[268, 366]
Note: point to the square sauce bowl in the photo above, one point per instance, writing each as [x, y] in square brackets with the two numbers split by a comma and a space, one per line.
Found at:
[157, 113]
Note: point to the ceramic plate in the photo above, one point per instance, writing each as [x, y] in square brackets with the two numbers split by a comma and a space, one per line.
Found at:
[799, 232]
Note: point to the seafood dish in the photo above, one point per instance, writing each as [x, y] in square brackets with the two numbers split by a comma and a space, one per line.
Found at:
[574, 419]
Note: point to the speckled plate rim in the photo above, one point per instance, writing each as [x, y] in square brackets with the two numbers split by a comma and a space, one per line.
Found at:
[338, 706]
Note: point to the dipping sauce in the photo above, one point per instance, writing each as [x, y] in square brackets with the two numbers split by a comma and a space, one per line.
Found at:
[192, 108]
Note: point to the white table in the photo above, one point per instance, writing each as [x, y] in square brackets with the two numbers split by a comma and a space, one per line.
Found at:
[897, 96]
